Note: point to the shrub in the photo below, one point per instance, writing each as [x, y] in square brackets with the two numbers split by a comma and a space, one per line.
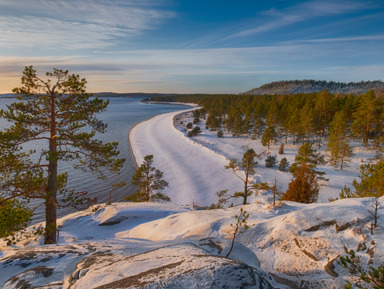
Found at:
[304, 187]
[196, 120]
[284, 165]
[270, 161]
[373, 277]
[189, 125]
[196, 130]
[220, 134]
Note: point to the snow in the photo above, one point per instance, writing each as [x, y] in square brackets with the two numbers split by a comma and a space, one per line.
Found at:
[175, 245]
[125, 242]
[194, 167]
[194, 172]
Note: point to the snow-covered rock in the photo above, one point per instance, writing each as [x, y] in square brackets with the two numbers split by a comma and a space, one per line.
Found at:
[170, 246]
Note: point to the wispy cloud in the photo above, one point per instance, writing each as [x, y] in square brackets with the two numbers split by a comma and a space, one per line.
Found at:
[197, 69]
[75, 24]
[273, 19]
[379, 37]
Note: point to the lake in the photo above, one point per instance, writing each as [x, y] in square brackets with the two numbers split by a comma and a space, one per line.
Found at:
[121, 115]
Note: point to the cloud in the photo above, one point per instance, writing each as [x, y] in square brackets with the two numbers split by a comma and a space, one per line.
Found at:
[202, 69]
[156, 64]
[378, 37]
[75, 24]
[273, 19]
[327, 8]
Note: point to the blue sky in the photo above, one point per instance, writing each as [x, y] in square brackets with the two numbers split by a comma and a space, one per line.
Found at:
[186, 46]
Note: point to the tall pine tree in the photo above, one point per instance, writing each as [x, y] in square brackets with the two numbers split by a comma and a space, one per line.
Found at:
[365, 117]
[338, 143]
[57, 116]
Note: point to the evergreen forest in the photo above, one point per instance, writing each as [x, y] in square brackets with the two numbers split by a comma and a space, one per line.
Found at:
[321, 118]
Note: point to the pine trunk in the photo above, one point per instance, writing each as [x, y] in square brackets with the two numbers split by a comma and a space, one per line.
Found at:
[246, 187]
[342, 160]
[50, 200]
[233, 241]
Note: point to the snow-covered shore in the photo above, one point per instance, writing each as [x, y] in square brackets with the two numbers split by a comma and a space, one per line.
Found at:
[194, 167]
[194, 172]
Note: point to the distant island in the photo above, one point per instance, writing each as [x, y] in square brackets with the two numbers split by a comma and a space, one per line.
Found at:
[310, 86]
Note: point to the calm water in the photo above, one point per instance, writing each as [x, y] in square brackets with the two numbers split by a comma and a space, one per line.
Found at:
[121, 115]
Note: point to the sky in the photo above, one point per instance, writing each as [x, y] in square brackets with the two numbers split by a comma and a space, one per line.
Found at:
[192, 46]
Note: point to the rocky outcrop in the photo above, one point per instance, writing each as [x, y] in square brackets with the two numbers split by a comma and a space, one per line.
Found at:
[175, 266]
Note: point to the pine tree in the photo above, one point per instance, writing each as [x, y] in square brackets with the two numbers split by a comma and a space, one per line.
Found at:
[268, 136]
[238, 125]
[272, 115]
[284, 165]
[276, 193]
[57, 113]
[323, 112]
[371, 180]
[304, 187]
[194, 132]
[292, 124]
[307, 119]
[248, 166]
[270, 161]
[150, 182]
[364, 118]
[213, 122]
[338, 147]
[308, 155]
[239, 227]
[258, 126]
[246, 125]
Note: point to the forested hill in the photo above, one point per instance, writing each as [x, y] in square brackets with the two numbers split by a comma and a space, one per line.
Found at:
[310, 86]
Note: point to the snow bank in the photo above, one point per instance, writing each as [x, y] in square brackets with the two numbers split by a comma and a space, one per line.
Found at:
[124, 242]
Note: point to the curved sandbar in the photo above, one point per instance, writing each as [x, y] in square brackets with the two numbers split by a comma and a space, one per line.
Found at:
[194, 172]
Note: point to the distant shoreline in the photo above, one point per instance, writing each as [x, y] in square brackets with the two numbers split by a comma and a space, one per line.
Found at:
[174, 103]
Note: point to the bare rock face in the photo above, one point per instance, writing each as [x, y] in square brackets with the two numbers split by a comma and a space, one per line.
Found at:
[176, 266]
[36, 276]
[40, 267]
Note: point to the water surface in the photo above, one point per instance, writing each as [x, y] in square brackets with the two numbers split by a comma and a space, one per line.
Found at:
[121, 115]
